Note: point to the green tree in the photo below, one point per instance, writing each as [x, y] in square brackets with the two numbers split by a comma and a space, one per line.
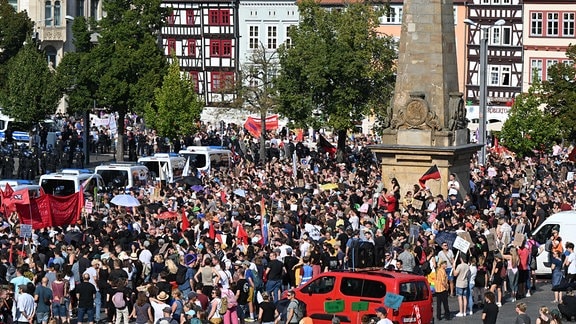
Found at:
[76, 72]
[559, 93]
[128, 61]
[338, 68]
[15, 27]
[528, 126]
[178, 105]
[32, 93]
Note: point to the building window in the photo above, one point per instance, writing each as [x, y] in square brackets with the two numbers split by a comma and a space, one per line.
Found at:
[48, 13]
[57, 13]
[536, 70]
[171, 46]
[94, 9]
[536, 24]
[51, 56]
[568, 24]
[192, 47]
[221, 48]
[253, 37]
[80, 8]
[219, 17]
[501, 36]
[221, 81]
[272, 37]
[394, 15]
[189, 17]
[552, 23]
[14, 4]
[549, 64]
[500, 75]
[194, 80]
[288, 41]
[171, 18]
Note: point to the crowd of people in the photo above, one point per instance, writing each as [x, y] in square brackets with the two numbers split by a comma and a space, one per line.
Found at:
[251, 233]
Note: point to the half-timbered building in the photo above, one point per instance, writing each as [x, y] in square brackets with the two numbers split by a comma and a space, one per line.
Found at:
[203, 35]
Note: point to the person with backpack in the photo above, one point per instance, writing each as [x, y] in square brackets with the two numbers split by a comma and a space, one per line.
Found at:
[231, 314]
[293, 312]
[119, 298]
[177, 305]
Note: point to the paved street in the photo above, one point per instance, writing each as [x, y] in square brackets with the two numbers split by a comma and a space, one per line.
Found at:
[542, 297]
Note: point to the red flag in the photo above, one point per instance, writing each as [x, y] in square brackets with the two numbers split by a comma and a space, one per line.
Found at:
[327, 146]
[48, 210]
[299, 135]
[253, 124]
[185, 222]
[241, 234]
[223, 197]
[211, 231]
[432, 173]
[572, 155]
[7, 193]
[21, 196]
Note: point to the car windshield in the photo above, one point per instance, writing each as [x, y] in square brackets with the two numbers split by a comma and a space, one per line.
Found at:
[58, 187]
[196, 160]
[114, 178]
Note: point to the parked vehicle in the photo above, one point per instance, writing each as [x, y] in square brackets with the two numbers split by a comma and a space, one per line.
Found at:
[123, 175]
[563, 222]
[370, 286]
[205, 158]
[165, 167]
[69, 181]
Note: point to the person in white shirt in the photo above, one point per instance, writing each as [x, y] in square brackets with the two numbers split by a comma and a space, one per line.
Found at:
[26, 305]
[382, 313]
[453, 185]
[571, 262]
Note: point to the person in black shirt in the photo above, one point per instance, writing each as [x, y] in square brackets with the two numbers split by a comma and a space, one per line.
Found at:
[274, 272]
[86, 293]
[268, 311]
[568, 306]
[490, 312]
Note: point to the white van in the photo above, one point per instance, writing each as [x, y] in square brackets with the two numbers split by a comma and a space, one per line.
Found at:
[205, 158]
[123, 175]
[15, 182]
[565, 223]
[166, 167]
[68, 182]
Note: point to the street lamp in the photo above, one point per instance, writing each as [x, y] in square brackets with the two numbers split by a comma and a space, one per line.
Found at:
[483, 83]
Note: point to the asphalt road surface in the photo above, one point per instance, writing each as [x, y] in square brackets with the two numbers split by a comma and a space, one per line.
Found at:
[543, 296]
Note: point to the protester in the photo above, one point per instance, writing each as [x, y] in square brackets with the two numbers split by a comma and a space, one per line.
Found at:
[490, 310]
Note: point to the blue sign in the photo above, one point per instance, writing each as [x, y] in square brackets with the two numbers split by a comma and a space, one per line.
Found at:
[393, 300]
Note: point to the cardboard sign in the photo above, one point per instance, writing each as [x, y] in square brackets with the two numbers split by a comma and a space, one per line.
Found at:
[518, 239]
[25, 230]
[417, 204]
[447, 237]
[334, 306]
[467, 237]
[461, 244]
[393, 300]
[88, 206]
[491, 242]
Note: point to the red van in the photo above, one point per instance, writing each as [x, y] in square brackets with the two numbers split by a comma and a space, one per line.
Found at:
[369, 286]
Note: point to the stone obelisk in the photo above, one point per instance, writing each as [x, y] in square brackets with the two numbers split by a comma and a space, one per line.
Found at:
[426, 120]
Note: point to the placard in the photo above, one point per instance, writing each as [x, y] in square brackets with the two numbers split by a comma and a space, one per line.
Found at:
[25, 230]
[393, 300]
[461, 244]
[417, 204]
[445, 237]
[360, 306]
[518, 239]
[491, 242]
[467, 237]
[334, 306]
[88, 206]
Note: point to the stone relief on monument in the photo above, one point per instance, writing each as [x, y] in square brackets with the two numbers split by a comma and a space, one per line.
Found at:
[415, 114]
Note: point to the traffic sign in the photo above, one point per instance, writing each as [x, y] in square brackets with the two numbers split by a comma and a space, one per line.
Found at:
[334, 306]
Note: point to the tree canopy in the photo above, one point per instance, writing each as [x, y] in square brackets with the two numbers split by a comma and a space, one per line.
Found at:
[559, 93]
[337, 69]
[15, 27]
[178, 105]
[128, 61]
[31, 92]
[528, 126]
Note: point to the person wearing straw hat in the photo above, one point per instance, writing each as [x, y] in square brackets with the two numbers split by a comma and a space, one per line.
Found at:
[158, 304]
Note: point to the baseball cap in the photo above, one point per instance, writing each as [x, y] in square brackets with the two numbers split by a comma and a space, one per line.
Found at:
[381, 310]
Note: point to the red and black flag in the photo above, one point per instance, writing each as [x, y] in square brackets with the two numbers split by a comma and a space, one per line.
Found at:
[432, 173]
[326, 146]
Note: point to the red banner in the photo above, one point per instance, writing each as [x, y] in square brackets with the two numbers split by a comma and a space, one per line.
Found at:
[253, 124]
[48, 210]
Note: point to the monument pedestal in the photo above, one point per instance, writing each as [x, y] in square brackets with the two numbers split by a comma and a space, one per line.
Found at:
[407, 163]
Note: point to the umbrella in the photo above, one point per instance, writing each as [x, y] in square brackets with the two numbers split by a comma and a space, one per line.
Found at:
[125, 201]
[191, 181]
[240, 192]
[328, 186]
[167, 215]
[197, 188]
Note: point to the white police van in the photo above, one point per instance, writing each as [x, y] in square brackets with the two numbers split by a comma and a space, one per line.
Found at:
[19, 184]
[68, 181]
[123, 175]
[165, 167]
[205, 158]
